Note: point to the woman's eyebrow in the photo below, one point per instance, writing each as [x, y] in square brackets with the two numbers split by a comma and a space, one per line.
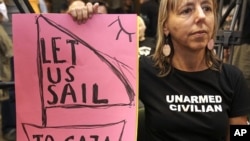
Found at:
[191, 3]
[206, 2]
[188, 3]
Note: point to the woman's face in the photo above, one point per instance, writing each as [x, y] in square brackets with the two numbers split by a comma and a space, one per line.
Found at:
[191, 24]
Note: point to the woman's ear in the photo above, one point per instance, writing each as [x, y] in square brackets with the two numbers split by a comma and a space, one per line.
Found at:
[165, 30]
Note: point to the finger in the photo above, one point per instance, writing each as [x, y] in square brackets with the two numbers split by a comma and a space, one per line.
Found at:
[95, 8]
[77, 10]
[73, 14]
[79, 15]
[84, 15]
[90, 9]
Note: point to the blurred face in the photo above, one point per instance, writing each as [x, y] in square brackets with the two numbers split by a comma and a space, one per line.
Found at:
[191, 24]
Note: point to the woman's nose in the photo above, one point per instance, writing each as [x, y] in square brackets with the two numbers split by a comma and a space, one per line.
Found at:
[200, 15]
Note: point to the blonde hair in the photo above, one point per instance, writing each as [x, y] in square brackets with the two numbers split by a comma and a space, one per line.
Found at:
[164, 63]
[142, 28]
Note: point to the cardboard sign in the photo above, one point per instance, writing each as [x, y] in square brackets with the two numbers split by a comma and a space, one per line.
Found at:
[75, 82]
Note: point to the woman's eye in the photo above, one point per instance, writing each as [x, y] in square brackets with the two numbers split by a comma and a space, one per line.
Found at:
[207, 8]
[186, 11]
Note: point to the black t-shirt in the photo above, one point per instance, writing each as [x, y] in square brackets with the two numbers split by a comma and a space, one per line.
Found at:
[191, 106]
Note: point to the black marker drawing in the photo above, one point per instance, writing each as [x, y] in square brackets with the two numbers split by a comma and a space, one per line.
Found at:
[42, 135]
[115, 68]
[122, 30]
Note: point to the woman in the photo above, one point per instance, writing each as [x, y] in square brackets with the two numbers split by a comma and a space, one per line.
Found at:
[146, 44]
[188, 93]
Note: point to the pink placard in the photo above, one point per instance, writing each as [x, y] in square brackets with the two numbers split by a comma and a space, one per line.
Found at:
[75, 81]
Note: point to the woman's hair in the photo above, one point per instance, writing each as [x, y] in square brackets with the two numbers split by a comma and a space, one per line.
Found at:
[142, 27]
[164, 63]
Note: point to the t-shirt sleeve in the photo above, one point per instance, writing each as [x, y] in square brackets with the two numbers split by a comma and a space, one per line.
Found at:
[241, 98]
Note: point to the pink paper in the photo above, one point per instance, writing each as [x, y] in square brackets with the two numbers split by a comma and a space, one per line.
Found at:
[75, 81]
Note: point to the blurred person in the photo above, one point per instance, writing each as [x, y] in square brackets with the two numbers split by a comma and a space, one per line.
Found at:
[146, 44]
[12, 9]
[180, 102]
[5, 45]
[3, 12]
[114, 4]
[8, 107]
[241, 53]
[149, 12]
[6, 73]
[56, 6]
[64, 7]
[48, 4]
[128, 6]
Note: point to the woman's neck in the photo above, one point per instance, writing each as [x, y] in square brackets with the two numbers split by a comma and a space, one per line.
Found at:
[190, 62]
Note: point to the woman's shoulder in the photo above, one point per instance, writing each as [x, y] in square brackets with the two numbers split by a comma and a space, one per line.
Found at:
[228, 68]
[231, 72]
